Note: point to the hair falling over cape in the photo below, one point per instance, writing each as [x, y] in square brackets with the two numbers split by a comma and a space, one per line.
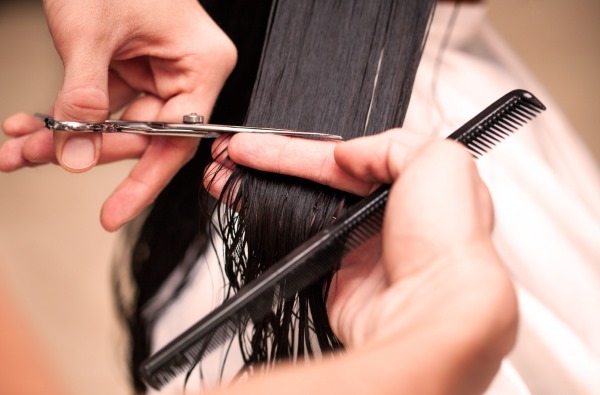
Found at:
[338, 66]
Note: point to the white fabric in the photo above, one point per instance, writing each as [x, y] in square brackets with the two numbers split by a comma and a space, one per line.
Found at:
[204, 292]
[546, 191]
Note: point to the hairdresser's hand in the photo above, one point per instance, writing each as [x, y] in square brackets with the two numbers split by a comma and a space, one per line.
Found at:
[428, 307]
[437, 257]
[297, 157]
[157, 60]
[310, 159]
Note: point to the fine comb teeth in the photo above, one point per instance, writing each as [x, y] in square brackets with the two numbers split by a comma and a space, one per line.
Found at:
[323, 252]
[498, 121]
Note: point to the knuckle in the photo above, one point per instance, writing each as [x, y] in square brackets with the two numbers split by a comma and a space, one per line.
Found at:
[227, 54]
[82, 104]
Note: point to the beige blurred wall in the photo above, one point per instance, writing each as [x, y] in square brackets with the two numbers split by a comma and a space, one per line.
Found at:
[54, 254]
[53, 251]
[560, 41]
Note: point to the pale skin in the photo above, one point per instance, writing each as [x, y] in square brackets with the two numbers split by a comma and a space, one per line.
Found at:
[434, 314]
[435, 311]
[438, 280]
[113, 51]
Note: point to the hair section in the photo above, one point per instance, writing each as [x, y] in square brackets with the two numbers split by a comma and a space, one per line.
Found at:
[343, 67]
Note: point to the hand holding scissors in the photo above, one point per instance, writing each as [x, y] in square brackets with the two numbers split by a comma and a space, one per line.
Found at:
[149, 60]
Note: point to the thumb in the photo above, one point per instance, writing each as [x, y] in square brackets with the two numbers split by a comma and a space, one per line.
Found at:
[438, 206]
[84, 98]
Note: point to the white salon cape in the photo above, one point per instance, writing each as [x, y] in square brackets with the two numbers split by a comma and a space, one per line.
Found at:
[546, 192]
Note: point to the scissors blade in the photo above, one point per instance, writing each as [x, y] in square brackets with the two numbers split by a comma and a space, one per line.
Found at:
[199, 130]
[213, 130]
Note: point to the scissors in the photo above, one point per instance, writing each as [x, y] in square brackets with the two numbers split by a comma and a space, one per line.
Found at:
[192, 126]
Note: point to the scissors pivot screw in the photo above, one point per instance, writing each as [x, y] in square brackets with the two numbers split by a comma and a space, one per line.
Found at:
[193, 118]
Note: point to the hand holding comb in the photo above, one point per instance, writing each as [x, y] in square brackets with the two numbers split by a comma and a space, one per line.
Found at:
[323, 252]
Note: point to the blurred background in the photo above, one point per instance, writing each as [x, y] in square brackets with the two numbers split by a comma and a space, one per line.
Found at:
[56, 258]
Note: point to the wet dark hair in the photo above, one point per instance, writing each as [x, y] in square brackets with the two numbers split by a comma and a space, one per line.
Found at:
[343, 67]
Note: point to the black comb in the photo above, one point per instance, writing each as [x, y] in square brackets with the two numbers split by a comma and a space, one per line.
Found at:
[323, 252]
[497, 121]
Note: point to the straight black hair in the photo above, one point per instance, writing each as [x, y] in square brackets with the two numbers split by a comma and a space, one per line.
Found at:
[337, 66]
[343, 67]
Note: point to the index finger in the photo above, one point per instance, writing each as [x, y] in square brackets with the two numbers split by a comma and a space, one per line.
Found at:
[21, 124]
[354, 166]
[310, 159]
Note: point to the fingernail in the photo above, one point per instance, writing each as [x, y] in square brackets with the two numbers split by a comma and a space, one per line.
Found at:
[78, 153]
